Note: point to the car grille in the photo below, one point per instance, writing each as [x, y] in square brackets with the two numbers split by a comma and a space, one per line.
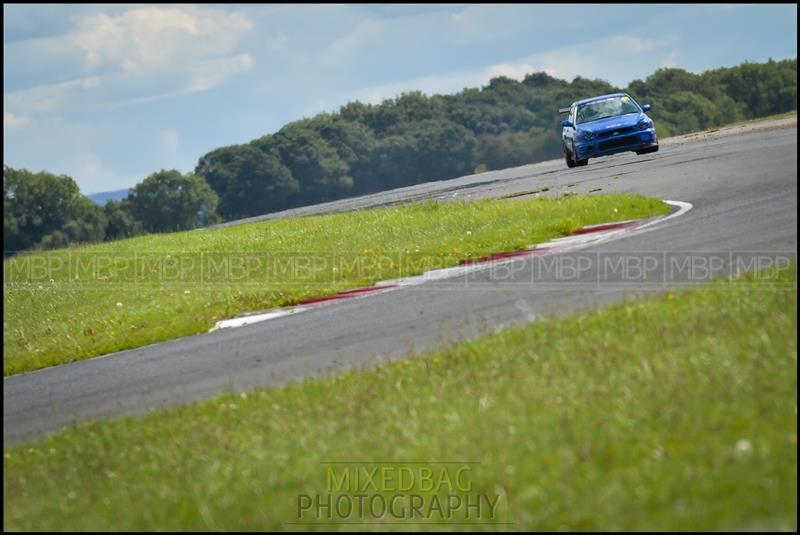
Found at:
[616, 132]
[619, 142]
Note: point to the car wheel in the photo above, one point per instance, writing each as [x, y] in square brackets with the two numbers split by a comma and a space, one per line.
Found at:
[570, 161]
[576, 162]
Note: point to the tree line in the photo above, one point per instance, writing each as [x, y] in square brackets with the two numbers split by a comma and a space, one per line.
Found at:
[45, 211]
[365, 148]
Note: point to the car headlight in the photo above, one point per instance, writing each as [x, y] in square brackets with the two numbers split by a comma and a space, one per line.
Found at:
[644, 124]
[587, 135]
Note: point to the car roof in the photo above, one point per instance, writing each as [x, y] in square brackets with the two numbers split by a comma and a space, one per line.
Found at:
[601, 97]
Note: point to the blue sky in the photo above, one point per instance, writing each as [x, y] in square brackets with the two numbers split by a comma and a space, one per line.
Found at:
[110, 94]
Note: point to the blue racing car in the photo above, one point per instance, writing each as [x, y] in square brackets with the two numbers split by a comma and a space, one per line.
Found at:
[605, 125]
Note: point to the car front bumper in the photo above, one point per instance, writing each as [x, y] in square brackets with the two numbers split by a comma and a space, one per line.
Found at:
[639, 140]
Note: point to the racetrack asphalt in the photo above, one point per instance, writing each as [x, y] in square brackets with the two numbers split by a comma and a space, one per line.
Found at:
[743, 189]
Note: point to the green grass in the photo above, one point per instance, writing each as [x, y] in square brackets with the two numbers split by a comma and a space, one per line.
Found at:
[665, 132]
[77, 303]
[673, 413]
[785, 115]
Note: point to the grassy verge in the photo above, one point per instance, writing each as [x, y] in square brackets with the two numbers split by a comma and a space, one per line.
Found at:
[762, 119]
[77, 303]
[672, 413]
[667, 136]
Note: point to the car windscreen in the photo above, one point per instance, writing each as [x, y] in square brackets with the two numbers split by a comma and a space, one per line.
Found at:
[600, 109]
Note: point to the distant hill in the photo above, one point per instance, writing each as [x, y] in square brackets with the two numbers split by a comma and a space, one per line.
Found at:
[104, 196]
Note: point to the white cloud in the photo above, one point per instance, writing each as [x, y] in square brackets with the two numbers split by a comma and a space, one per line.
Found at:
[154, 37]
[194, 78]
[140, 55]
[11, 121]
[49, 97]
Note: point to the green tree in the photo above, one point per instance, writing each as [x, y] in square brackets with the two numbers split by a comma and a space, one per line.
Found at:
[393, 163]
[422, 151]
[220, 168]
[321, 174]
[43, 210]
[168, 201]
[763, 88]
[121, 223]
[354, 143]
[248, 180]
[444, 149]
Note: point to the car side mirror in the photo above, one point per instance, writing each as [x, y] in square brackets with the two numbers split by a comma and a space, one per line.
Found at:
[567, 123]
[647, 107]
